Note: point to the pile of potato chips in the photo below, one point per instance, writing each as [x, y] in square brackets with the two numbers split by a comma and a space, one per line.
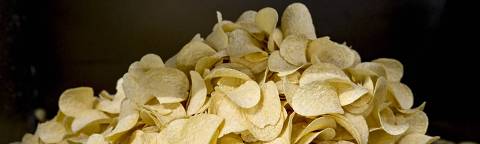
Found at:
[248, 81]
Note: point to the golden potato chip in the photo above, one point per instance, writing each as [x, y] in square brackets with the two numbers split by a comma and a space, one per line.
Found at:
[413, 110]
[246, 95]
[308, 138]
[198, 93]
[380, 137]
[391, 123]
[226, 72]
[376, 68]
[168, 85]
[127, 119]
[206, 63]
[268, 110]
[322, 72]
[225, 108]
[247, 17]
[51, 131]
[402, 94]
[326, 134]
[171, 62]
[188, 56]
[201, 128]
[277, 64]
[266, 19]
[113, 106]
[241, 44]
[293, 50]
[296, 20]
[316, 99]
[418, 122]
[172, 133]
[231, 139]
[326, 51]
[393, 68]
[73, 101]
[417, 139]
[285, 136]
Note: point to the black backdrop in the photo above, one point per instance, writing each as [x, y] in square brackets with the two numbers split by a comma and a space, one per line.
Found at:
[48, 46]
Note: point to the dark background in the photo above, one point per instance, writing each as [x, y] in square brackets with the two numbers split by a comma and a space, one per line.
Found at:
[49, 46]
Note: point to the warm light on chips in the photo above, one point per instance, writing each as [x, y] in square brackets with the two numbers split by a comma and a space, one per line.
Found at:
[259, 80]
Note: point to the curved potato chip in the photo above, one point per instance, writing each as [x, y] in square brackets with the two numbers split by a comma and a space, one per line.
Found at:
[418, 139]
[317, 124]
[171, 62]
[236, 66]
[266, 19]
[247, 17]
[240, 43]
[269, 132]
[322, 72]
[87, 117]
[392, 124]
[376, 68]
[381, 137]
[293, 50]
[172, 133]
[51, 132]
[127, 119]
[189, 55]
[296, 20]
[113, 106]
[226, 72]
[96, 139]
[75, 100]
[277, 64]
[413, 110]
[418, 122]
[201, 129]
[29, 138]
[393, 68]
[326, 51]
[326, 134]
[146, 63]
[218, 39]
[268, 110]
[308, 138]
[285, 136]
[223, 107]
[316, 99]
[402, 94]
[255, 67]
[355, 125]
[168, 85]
[246, 95]
[206, 63]
[198, 93]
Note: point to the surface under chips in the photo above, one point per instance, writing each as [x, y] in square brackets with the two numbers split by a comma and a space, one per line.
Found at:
[258, 80]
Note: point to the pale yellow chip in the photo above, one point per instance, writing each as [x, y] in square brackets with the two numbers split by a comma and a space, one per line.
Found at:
[126, 120]
[402, 94]
[168, 85]
[113, 106]
[375, 68]
[230, 139]
[225, 108]
[285, 136]
[293, 50]
[393, 68]
[29, 138]
[326, 51]
[201, 128]
[296, 20]
[172, 132]
[277, 64]
[206, 63]
[266, 19]
[242, 43]
[255, 67]
[270, 132]
[198, 93]
[418, 139]
[322, 72]
[51, 131]
[76, 100]
[268, 110]
[88, 117]
[189, 55]
[218, 39]
[96, 139]
[391, 123]
[317, 124]
[418, 122]
[354, 124]
[246, 95]
[316, 99]
[381, 137]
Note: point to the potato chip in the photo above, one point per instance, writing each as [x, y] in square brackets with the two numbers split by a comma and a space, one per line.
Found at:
[96, 139]
[418, 122]
[231, 139]
[293, 50]
[269, 132]
[52, 131]
[74, 101]
[316, 99]
[29, 138]
[418, 139]
[168, 85]
[277, 64]
[317, 124]
[322, 72]
[198, 93]
[391, 123]
[218, 39]
[188, 56]
[206, 63]
[296, 20]
[355, 125]
[286, 134]
[375, 68]
[172, 133]
[171, 62]
[266, 19]
[127, 119]
[380, 137]
[113, 106]
[402, 94]
[201, 129]
[246, 95]
[326, 51]
[268, 110]
[241, 44]
[88, 117]
[225, 108]
[326, 134]
[393, 68]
